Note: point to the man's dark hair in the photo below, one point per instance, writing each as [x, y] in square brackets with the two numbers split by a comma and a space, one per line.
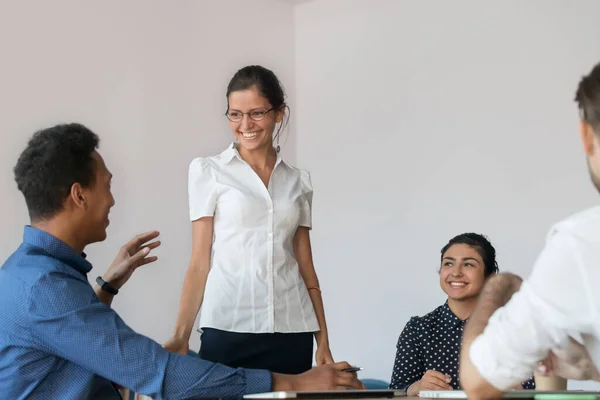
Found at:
[54, 159]
[588, 98]
[482, 245]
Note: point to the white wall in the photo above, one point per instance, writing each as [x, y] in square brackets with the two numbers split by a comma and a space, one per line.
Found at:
[423, 119]
[149, 77]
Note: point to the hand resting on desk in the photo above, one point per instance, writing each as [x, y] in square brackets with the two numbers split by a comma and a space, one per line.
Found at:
[431, 380]
[324, 377]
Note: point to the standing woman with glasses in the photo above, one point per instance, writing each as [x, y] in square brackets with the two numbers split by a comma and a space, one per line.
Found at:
[251, 267]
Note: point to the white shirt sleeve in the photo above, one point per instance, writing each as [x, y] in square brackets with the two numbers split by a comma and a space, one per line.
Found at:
[553, 304]
[306, 203]
[202, 189]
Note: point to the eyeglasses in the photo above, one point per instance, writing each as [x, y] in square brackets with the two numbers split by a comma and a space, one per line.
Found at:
[255, 115]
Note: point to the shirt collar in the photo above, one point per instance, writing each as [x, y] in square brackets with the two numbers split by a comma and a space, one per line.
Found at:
[229, 153]
[56, 248]
[454, 320]
[232, 152]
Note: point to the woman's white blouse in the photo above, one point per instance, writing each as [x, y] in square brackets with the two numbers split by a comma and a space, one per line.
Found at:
[254, 284]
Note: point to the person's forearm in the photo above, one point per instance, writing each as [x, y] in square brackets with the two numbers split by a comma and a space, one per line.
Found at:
[281, 382]
[314, 291]
[188, 377]
[322, 336]
[103, 296]
[303, 253]
[191, 299]
[496, 293]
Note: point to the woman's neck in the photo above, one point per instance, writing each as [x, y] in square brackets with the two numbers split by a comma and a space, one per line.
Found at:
[259, 159]
[462, 308]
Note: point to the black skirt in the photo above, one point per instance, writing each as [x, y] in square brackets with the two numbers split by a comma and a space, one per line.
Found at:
[284, 353]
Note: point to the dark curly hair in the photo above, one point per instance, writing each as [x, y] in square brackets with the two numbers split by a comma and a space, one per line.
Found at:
[483, 247]
[55, 158]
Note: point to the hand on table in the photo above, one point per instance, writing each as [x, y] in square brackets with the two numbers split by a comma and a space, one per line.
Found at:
[431, 380]
[324, 377]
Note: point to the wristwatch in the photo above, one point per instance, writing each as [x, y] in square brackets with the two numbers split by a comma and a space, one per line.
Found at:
[106, 286]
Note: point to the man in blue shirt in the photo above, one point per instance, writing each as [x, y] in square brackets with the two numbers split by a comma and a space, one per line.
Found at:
[59, 338]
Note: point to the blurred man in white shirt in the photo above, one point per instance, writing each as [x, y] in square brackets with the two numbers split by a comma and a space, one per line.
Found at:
[551, 321]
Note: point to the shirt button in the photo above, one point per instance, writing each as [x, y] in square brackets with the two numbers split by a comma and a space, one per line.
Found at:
[270, 209]
[270, 235]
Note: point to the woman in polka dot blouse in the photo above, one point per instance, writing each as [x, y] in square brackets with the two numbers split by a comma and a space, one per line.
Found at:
[429, 347]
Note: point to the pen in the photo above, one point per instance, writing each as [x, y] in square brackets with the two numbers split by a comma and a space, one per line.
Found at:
[352, 369]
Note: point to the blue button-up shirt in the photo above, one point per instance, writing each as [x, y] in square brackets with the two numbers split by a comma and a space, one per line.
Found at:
[58, 341]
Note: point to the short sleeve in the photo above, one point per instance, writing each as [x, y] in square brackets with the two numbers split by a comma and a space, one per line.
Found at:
[306, 203]
[202, 189]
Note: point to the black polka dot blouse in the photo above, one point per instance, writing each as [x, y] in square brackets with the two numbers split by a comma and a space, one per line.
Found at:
[431, 342]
